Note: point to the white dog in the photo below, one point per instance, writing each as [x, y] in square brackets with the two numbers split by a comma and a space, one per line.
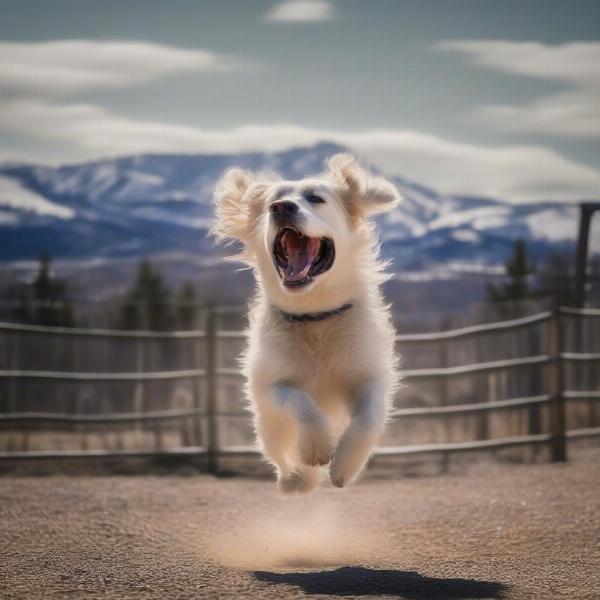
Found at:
[320, 362]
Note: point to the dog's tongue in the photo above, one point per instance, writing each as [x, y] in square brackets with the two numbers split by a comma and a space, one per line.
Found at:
[301, 251]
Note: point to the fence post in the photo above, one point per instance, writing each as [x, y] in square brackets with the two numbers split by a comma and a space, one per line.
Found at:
[138, 394]
[443, 362]
[13, 404]
[14, 352]
[196, 352]
[534, 424]
[491, 397]
[157, 426]
[211, 383]
[557, 402]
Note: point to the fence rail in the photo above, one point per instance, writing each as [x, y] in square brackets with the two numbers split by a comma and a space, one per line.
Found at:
[582, 395]
[479, 407]
[579, 312]
[496, 365]
[524, 440]
[39, 417]
[580, 356]
[463, 332]
[103, 377]
[554, 360]
[103, 333]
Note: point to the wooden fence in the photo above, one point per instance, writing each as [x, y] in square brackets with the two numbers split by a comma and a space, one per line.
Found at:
[203, 413]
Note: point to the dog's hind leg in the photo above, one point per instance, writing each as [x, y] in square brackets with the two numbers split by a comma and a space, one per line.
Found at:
[314, 443]
[278, 439]
[360, 437]
[302, 479]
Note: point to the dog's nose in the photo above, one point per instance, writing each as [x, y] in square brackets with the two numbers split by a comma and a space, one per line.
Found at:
[283, 210]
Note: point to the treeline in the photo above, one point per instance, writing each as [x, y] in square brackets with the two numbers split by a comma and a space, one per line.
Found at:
[149, 304]
[550, 281]
[44, 301]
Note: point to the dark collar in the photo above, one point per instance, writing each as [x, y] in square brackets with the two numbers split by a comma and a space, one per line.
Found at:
[317, 316]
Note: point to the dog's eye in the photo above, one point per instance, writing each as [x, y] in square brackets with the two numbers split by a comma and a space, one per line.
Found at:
[314, 199]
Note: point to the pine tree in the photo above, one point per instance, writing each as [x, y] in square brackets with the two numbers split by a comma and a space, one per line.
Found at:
[186, 306]
[556, 278]
[46, 300]
[518, 271]
[148, 304]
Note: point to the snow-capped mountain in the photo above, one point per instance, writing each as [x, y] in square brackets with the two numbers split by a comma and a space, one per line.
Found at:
[153, 204]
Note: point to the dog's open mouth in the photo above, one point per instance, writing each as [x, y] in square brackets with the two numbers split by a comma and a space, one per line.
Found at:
[299, 258]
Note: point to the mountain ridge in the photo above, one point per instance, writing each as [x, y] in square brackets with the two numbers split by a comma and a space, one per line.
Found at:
[155, 203]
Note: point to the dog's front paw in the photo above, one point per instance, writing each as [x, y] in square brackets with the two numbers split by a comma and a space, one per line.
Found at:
[339, 474]
[315, 446]
[345, 467]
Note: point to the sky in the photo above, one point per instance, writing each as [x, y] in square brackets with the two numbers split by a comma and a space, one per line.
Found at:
[481, 97]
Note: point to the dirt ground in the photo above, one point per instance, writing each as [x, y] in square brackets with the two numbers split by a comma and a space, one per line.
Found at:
[529, 531]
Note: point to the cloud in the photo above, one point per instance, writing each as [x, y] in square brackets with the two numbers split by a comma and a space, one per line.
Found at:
[574, 112]
[300, 11]
[66, 67]
[575, 62]
[516, 173]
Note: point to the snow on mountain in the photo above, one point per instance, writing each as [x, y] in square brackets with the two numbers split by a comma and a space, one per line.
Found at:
[555, 223]
[151, 204]
[16, 198]
[482, 218]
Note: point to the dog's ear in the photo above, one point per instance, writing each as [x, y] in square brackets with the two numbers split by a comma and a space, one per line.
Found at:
[365, 194]
[232, 207]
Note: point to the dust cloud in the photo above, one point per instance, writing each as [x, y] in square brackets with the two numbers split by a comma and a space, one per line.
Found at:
[307, 531]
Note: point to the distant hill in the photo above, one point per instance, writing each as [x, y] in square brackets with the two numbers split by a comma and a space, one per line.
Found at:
[115, 210]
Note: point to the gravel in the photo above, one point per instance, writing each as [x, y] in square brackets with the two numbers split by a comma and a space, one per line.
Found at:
[501, 532]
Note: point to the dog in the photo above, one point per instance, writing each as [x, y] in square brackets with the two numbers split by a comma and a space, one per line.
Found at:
[320, 364]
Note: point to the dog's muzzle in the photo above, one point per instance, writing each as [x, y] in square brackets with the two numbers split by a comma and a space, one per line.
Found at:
[284, 212]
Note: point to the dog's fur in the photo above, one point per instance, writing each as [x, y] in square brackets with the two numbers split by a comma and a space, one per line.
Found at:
[319, 390]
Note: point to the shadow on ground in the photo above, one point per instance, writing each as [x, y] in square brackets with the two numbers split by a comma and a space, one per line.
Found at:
[360, 581]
